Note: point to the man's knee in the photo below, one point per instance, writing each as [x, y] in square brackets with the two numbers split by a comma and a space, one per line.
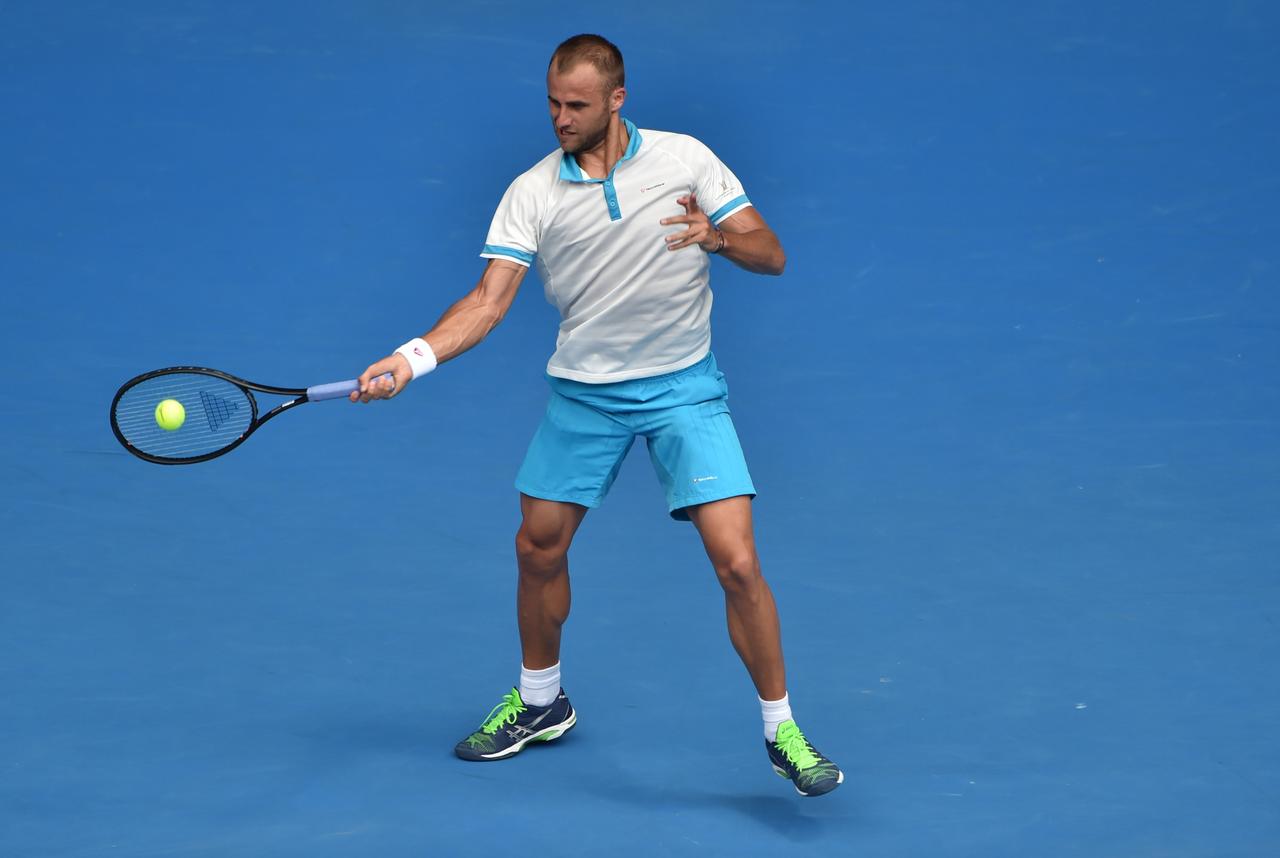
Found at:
[738, 569]
[541, 545]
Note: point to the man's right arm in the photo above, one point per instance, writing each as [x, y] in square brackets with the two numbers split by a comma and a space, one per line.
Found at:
[461, 327]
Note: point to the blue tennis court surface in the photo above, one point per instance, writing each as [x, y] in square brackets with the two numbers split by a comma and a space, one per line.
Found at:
[1013, 411]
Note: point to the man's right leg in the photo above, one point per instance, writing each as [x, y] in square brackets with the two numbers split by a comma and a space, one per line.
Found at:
[574, 456]
[542, 595]
[542, 606]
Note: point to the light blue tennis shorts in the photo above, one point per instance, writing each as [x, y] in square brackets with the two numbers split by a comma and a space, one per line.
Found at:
[683, 417]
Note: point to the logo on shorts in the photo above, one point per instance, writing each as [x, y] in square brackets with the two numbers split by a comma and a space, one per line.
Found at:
[704, 479]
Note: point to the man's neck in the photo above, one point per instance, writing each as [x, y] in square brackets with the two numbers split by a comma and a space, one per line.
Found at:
[600, 161]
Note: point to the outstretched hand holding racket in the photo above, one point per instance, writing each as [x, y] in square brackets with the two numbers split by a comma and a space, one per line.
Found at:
[383, 379]
[187, 414]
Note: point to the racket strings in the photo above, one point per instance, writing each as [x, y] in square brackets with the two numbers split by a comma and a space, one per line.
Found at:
[217, 410]
[218, 413]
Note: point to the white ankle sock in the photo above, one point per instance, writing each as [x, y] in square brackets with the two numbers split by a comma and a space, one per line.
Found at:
[774, 713]
[539, 687]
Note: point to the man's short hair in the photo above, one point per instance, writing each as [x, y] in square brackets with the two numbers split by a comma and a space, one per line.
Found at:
[597, 50]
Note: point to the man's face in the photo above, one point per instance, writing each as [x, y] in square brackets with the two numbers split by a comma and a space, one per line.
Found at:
[579, 107]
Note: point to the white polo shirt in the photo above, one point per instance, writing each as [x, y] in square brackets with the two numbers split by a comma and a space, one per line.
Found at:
[629, 307]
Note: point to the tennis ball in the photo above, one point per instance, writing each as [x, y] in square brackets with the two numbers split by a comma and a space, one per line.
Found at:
[170, 415]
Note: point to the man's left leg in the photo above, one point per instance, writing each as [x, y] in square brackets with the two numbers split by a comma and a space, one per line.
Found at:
[729, 538]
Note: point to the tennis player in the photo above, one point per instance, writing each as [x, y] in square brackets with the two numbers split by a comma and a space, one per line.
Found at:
[621, 223]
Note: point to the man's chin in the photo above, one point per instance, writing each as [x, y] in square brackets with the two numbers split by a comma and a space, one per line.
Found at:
[577, 144]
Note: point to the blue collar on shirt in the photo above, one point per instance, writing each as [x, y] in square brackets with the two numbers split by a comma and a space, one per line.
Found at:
[571, 172]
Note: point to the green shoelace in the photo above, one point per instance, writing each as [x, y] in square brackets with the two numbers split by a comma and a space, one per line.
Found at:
[792, 743]
[505, 712]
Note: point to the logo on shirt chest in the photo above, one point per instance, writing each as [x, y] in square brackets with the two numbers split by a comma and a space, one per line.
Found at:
[652, 187]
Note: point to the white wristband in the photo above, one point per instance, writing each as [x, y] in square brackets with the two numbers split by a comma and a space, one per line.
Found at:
[419, 355]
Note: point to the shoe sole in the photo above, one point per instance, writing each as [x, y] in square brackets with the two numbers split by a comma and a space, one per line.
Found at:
[548, 734]
[783, 774]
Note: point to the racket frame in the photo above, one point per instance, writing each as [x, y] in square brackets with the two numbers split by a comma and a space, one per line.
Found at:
[248, 387]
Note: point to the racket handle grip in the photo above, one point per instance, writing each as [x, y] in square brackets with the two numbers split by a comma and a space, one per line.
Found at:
[338, 389]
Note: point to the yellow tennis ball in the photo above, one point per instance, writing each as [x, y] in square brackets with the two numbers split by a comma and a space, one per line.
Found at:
[170, 415]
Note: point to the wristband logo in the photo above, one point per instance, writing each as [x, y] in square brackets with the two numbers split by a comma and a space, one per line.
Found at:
[418, 351]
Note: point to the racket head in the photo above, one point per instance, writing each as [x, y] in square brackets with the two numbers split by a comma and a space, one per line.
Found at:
[220, 413]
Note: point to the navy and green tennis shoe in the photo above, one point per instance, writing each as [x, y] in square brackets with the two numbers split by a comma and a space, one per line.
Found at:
[793, 757]
[513, 724]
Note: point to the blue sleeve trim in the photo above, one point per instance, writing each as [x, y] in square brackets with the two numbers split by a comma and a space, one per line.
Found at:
[724, 211]
[511, 252]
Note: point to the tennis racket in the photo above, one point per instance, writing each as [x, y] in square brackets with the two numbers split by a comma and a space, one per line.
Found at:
[219, 410]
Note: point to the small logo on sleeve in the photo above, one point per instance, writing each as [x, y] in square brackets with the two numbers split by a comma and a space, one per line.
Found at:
[727, 191]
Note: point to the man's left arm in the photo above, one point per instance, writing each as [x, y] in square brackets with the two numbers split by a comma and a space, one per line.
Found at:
[743, 237]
